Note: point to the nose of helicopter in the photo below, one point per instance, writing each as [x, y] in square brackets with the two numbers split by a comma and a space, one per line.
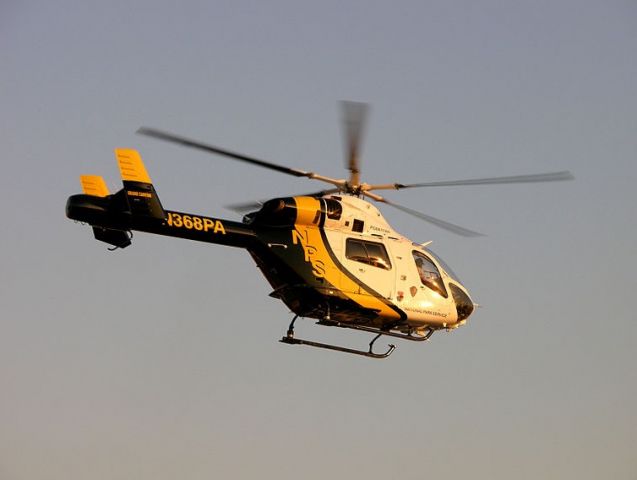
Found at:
[464, 305]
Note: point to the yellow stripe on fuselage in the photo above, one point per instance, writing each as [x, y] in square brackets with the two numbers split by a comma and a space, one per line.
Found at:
[318, 254]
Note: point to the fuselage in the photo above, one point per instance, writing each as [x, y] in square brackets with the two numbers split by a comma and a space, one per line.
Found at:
[337, 256]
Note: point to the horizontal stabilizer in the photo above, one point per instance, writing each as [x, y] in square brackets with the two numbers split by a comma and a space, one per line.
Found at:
[94, 185]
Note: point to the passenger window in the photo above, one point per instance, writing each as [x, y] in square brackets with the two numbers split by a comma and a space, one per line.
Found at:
[356, 251]
[429, 274]
[371, 253]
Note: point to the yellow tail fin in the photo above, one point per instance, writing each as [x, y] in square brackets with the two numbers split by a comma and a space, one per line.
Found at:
[131, 166]
[94, 185]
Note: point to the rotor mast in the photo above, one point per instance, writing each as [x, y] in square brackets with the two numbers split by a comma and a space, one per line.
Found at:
[354, 121]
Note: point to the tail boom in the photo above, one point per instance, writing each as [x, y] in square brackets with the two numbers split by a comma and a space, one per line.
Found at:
[137, 207]
[112, 214]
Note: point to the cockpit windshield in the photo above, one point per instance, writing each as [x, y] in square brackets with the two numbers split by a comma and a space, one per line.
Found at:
[444, 265]
[429, 274]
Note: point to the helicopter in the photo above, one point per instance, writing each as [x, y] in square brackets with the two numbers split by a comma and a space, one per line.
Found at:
[329, 255]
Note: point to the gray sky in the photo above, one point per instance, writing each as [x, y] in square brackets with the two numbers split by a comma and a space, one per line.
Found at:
[161, 361]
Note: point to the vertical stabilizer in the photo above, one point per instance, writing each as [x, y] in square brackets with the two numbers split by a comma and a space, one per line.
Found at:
[140, 193]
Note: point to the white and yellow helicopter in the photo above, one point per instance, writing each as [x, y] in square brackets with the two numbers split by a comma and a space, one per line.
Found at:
[329, 255]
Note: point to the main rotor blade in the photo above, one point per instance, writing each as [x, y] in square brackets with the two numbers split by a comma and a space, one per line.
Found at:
[457, 229]
[354, 120]
[169, 137]
[534, 178]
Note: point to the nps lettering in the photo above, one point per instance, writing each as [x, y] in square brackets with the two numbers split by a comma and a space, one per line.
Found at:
[193, 222]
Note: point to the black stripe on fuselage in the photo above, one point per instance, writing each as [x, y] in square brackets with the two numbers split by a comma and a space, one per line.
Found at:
[401, 313]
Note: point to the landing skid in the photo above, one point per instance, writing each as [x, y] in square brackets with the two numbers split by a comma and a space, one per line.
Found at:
[370, 354]
[290, 340]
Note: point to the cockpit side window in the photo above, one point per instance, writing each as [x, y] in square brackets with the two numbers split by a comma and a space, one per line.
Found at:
[371, 253]
[429, 273]
[333, 209]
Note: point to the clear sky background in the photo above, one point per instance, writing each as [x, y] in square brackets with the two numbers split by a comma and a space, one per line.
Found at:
[161, 361]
